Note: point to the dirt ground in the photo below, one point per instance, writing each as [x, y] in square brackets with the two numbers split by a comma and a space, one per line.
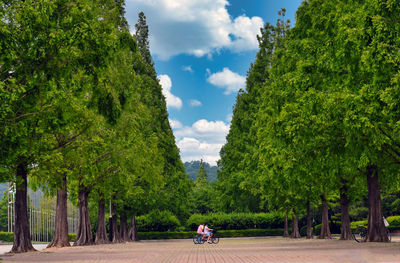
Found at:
[232, 250]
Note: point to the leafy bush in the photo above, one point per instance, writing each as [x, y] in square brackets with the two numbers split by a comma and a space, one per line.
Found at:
[157, 221]
[394, 221]
[221, 233]
[355, 224]
[334, 228]
[251, 232]
[237, 221]
[71, 237]
[7, 236]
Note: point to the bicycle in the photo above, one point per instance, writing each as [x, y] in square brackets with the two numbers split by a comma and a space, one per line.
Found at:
[361, 233]
[200, 239]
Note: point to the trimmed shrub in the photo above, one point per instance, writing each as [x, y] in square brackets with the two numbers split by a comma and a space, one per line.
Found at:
[220, 233]
[164, 235]
[7, 236]
[250, 232]
[71, 237]
[158, 221]
[394, 221]
[334, 228]
[237, 221]
[355, 224]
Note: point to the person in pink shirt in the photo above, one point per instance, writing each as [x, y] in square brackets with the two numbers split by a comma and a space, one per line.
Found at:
[200, 229]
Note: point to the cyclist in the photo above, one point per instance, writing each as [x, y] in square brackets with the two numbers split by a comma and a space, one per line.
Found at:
[200, 231]
[207, 233]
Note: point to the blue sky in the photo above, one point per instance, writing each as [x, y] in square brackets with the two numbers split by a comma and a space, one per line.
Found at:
[202, 51]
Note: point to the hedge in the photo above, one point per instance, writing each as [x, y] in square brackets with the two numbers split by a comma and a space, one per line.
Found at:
[220, 233]
[9, 237]
[394, 221]
[394, 226]
[157, 221]
[237, 221]
[71, 237]
[334, 227]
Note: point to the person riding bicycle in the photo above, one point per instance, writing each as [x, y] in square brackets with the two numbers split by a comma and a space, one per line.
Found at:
[200, 230]
[208, 232]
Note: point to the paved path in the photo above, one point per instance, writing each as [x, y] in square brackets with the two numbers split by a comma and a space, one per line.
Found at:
[245, 250]
[7, 248]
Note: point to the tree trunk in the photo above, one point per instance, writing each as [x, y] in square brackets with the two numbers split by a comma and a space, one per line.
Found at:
[116, 238]
[325, 231]
[295, 230]
[60, 238]
[286, 226]
[133, 236]
[309, 229]
[84, 235]
[376, 228]
[345, 229]
[22, 236]
[123, 229]
[101, 236]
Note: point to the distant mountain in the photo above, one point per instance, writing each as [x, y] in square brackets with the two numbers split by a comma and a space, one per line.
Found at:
[193, 167]
[3, 187]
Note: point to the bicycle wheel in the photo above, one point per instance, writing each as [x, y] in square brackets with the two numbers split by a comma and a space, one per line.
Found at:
[215, 240]
[389, 235]
[360, 234]
[196, 239]
[357, 237]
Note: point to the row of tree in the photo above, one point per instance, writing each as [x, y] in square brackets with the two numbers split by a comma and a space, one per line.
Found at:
[319, 119]
[83, 115]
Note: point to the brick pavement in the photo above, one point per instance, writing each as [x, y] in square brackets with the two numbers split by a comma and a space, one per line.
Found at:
[235, 250]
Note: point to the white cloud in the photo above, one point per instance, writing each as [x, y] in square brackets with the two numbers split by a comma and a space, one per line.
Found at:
[196, 27]
[175, 124]
[210, 131]
[188, 69]
[195, 103]
[193, 149]
[229, 117]
[202, 140]
[172, 100]
[228, 80]
[244, 30]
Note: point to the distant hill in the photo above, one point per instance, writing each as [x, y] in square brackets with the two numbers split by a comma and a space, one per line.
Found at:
[193, 167]
[3, 187]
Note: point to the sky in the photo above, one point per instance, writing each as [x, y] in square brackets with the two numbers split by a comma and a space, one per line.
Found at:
[202, 50]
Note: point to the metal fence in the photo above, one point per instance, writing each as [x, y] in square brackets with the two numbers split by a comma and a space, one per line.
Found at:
[41, 214]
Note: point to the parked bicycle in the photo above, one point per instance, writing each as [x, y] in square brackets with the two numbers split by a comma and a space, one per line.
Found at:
[201, 239]
[360, 233]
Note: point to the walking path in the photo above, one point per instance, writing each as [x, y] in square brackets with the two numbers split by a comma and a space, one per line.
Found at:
[244, 250]
[5, 248]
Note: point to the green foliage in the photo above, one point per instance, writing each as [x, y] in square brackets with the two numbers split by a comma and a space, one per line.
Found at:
[318, 110]
[250, 232]
[394, 221]
[4, 213]
[221, 233]
[7, 236]
[236, 220]
[81, 100]
[355, 224]
[192, 168]
[142, 36]
[333, 226]
[157, 221]
[71, 237]
[164, 235]
[201, 178]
